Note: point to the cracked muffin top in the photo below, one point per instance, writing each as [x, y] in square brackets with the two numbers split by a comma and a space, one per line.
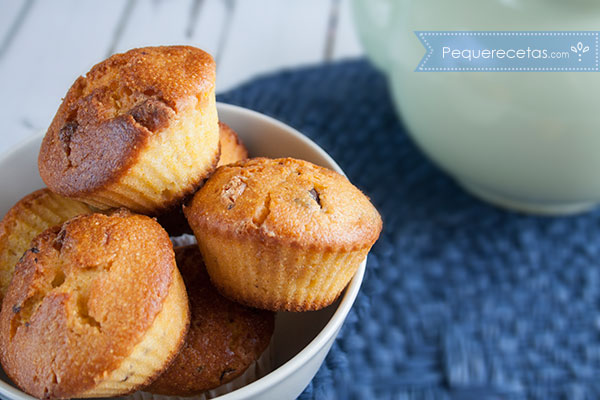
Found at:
[224, 338]
[82, 297]
[108, 115]
[286, 201]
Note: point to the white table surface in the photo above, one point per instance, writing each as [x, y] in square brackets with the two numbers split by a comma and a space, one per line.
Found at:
[46, 44]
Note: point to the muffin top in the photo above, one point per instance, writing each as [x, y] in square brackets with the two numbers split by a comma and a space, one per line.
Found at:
[30, 216]
[285, 201]
[81, 298]
[232, 148]
[224, 337]
[108, 115]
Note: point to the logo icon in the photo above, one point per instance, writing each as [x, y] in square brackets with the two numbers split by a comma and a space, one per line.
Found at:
[580, 50]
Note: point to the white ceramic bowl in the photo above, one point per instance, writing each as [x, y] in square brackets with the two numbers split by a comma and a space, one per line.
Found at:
[301, 340]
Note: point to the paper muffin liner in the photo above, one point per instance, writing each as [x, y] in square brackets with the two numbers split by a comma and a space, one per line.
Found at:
[28, 218]
[261, 367]
[171, 165]
[183, 240]
[278, 278]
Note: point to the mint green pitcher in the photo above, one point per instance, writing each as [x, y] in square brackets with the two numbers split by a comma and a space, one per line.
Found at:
[523, 140]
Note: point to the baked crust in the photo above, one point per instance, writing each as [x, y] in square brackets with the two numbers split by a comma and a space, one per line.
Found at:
[284, 234]
[232, 148]
[81, 300]
[285, 201]
[107, 117]
[224, 339]
[29, 217]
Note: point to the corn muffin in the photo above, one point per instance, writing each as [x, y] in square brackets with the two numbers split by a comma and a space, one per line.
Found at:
[282, 234]
[224, 338]
[140, 130]
[232, 148]
[32, 215]
[96, 308]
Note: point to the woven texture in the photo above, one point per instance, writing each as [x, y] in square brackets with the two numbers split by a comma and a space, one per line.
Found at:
[461, 300]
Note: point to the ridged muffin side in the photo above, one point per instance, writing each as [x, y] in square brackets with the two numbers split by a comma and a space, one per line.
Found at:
[29, 217]
[278, 277]
[282, 234]
[140, 130]
[232, 150]
[96, 308]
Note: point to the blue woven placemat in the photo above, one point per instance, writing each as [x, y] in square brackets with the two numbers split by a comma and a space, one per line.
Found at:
[461, 300]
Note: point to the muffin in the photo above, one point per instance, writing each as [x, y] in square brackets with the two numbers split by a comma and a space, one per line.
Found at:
[140, 130]
[96, 308]
[224, 338]
[282, 234]
[32, 215]
[232, 148]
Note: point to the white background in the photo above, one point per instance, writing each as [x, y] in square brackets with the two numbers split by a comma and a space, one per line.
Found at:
[46, 44]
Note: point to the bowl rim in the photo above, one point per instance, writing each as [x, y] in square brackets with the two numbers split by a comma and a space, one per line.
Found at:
[326, 334]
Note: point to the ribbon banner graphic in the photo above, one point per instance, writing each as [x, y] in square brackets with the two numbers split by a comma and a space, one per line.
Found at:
[509, 51]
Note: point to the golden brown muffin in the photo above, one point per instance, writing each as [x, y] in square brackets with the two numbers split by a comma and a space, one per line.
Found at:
[282, 234]
[232, 148]
[224, 338]
[32, 215]
[96, 308]
[140, 130]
